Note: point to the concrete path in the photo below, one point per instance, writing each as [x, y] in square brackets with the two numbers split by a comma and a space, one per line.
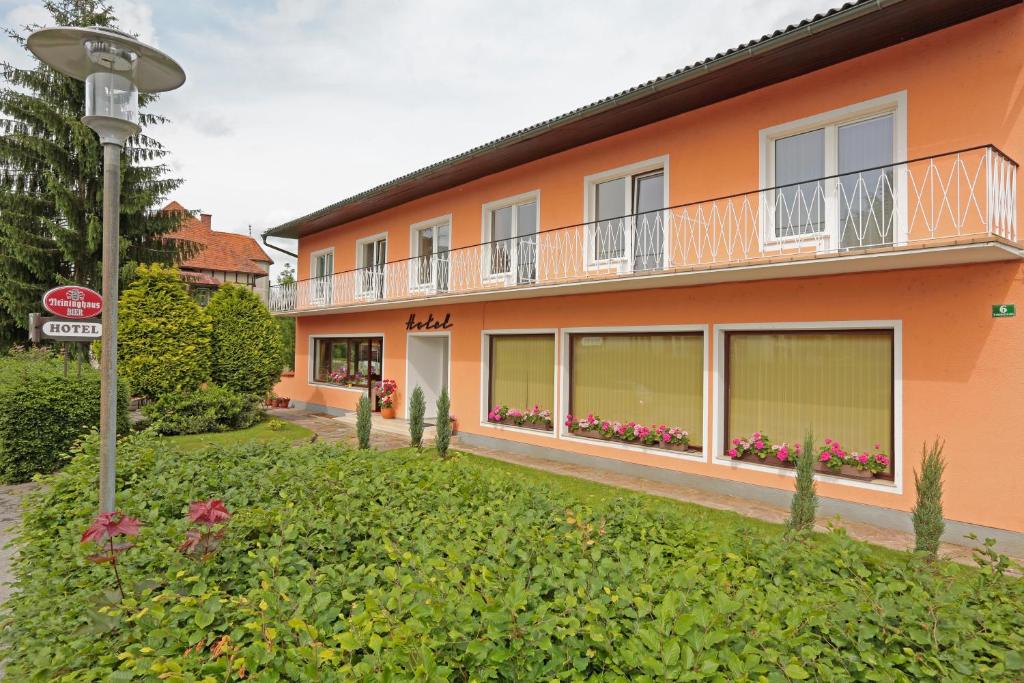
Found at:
[10, 516]
[340, 430]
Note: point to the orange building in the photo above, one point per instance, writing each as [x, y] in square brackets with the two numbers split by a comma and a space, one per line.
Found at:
[814, 231]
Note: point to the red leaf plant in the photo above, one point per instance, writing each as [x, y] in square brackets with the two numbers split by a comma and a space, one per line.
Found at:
[202, 540]
[106, 527]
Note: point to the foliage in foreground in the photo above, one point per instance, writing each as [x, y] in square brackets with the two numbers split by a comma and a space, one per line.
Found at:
[246, 354]
[208, 409]
[927, 512]
[348, 565]
[42, 413]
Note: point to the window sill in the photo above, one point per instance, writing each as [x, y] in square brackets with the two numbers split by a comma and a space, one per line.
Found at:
[875, 484]
[546, 433]
[692, 455]
[328, 385]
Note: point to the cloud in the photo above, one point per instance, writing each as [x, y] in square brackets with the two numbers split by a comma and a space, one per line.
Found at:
[136, 17]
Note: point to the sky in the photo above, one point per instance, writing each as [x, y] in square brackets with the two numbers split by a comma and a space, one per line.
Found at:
[291, 105]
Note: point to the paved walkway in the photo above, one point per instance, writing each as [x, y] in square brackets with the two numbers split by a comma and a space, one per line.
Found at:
[340, 430]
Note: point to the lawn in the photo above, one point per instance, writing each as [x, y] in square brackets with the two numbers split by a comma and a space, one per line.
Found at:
[341, 565]
[264, 432]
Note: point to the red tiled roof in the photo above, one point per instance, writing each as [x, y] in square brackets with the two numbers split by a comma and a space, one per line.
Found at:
[226, 251]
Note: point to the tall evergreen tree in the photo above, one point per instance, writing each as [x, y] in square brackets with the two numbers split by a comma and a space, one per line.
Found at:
[51, 182]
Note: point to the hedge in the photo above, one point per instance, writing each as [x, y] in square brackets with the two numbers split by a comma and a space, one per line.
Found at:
[245, 342]
[341, 565]
[207, 409]
[42, 412]
[163, 334]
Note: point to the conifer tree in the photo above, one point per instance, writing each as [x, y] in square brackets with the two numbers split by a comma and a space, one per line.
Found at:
[417, 409]
[51, 180]
[805, 501]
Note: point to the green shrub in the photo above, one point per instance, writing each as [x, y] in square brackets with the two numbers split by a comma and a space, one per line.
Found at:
[246, 353]
[208, 409]
[927, 512]
[364, 420]
[805, 501]
[163, 341]
[444, 424]
[343, 565]
[417, 409]
[42, 412]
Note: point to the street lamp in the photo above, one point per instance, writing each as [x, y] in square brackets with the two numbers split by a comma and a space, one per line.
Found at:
[115, 68]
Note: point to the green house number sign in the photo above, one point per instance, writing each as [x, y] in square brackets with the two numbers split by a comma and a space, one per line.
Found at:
[1004, 310]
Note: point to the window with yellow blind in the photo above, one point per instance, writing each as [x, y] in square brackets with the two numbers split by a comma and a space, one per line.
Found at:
[648, 378]
[522, 373]
[836, 384]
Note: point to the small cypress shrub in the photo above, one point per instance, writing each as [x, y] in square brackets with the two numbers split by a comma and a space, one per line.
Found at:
[805, 500]
[363, 421]
[927, 511]
[444, 424]
[417, 408]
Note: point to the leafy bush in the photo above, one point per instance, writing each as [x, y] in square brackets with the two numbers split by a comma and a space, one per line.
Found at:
[364, 420]
[42, 412]
[927, 512]
[245, 342]
[417, 409]
[208, 409]
[345, 565]
[444, 424]
[163, 341]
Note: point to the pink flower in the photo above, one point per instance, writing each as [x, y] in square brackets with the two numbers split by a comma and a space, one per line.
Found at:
[759, 444]
[756, 436]
[783, 453]
[666, 437]
[877, 446]
[863, 458]
[828, 441]
[736, 442]
[733, 453]
[825, 457]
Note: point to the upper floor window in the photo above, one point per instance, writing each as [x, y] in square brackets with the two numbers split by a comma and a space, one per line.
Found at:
[371, 255]
[431, 242]
[626, 219]
[835, 176]
[510, 229]
[321, 268]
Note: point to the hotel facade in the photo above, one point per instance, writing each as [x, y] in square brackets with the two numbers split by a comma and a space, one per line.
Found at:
[815, 231]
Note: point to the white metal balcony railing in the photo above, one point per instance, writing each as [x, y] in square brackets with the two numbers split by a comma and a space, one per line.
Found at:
[932, 201]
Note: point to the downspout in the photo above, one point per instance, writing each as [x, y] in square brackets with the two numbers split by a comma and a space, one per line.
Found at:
[283, 251]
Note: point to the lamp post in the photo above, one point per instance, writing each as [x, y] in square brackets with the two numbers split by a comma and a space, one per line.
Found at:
[115, 67]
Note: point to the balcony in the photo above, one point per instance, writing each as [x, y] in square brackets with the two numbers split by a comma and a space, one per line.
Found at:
[958, 207]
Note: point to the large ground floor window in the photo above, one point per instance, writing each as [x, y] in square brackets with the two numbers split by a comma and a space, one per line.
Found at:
[521, 380]
[836, 384]
[348, 361]
[641, 388]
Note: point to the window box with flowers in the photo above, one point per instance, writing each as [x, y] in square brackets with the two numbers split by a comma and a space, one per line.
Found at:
[386, 390]
[832, 459]
[653, 436]
[536, 418]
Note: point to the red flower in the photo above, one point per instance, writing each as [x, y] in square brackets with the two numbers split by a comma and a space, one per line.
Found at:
[109, 525]
[208, 512]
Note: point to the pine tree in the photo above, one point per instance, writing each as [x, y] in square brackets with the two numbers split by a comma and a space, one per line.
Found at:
[417, 409]
[364, 421]
[805, 501]
[51, 180]
[927, 512]
[444, 424]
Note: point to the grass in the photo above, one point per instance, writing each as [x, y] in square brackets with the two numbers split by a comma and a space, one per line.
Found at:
[265, 432]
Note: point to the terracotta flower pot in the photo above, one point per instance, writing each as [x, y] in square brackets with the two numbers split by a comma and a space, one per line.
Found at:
[387, 412]
[455, 425]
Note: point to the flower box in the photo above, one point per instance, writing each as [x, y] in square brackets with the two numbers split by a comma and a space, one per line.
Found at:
[598, 436]
[855, 472]
[538, 426]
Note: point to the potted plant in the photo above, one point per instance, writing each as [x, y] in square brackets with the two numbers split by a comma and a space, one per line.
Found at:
[655, 436]
[756, 448]
[535, 418]
[386, 390]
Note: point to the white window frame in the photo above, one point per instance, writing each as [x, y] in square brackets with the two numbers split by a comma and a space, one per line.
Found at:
[485, 380]
[564, 370]
[321, 292]
[361, 292]
[718, 437]
[623, 264]
[414, 249]
[830, 121]
[311, 369]
[486, 235]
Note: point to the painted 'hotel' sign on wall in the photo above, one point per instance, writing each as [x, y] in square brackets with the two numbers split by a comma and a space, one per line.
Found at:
[429, 324]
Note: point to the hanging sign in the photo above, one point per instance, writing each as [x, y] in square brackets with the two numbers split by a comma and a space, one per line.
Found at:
[72, 301]
[1004, 310]
[430, 323]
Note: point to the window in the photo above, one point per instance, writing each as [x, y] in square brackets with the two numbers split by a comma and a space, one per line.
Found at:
[837, 384]
[430, 244]
[834, 175]
[628, 224]
[348, 361]
[648, 378]
[321, 270]
[510, 227]
[201, 295]
[521, 373]
[371, 255]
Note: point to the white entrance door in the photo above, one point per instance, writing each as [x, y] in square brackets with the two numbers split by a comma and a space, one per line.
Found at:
[427, 368]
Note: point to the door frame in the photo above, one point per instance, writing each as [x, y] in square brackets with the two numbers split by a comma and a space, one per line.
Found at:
[448, 370]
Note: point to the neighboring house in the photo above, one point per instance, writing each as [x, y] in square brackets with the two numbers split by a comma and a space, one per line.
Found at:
[816, 230]
[221, 257]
